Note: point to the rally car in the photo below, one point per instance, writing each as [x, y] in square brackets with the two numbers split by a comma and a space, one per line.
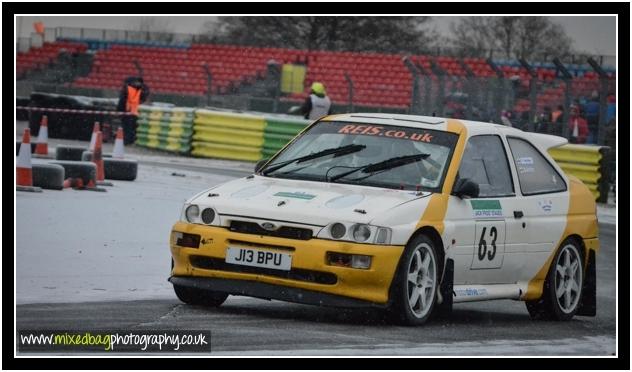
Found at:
[406, 213]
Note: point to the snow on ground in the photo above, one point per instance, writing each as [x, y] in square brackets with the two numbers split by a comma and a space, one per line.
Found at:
[75, 246]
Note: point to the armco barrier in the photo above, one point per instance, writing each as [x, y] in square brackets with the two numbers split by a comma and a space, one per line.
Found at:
[165, 128]
[586, 163]
[238, 136]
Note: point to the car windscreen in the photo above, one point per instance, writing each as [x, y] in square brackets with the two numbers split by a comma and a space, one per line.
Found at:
[377, 143]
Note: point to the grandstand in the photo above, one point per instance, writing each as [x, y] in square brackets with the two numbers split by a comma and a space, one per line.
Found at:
[380, 80]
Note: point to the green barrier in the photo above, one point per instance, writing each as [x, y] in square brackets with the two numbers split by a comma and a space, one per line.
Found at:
[165, 128]
[161, 142]
[586, 163]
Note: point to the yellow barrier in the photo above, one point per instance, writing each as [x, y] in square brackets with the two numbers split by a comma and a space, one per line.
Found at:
[217, 150]
[585, 163]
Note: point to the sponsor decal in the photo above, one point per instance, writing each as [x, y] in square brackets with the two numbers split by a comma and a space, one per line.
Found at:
[375, 130]
[546, 205]
[471, 292]
[523, 170]
[524, 161]
[487, 208]
[296, 195]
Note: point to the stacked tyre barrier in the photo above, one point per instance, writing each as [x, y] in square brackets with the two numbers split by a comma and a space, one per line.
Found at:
[168, 129]
[586, 163]
[238, 136]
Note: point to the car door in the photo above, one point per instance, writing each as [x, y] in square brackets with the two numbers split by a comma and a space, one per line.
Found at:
[539, 210]
[480, 223]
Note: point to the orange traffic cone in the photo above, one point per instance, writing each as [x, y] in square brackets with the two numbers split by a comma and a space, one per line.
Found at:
[93, 139]
[119, 151]
[97, 157]
[23, 168]
[24, 171]
[42, 139]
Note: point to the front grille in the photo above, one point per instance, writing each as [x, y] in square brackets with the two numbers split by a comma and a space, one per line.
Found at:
[210, 263]
[283, 232]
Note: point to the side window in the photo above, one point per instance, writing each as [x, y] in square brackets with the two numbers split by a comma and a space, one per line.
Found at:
[535, 174]
[485, 162]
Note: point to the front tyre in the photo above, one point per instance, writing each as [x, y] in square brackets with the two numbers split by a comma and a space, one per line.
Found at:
[416, 283]
[563, 287]
[195, 296]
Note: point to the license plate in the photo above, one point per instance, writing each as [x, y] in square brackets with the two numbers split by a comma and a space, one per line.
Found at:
[256, 258]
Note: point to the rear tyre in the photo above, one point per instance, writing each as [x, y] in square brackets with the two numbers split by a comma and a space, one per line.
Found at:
[416, 283]
[562, 292]
[195, 296]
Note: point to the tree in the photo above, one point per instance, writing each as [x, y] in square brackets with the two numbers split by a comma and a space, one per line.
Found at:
[157, 28]
[378, 34]
[514, 37]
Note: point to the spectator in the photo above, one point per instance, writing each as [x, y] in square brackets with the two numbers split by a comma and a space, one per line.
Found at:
[592, 116]
[133, 93]
[611, 110]
[317, 104]
[543, 121]
[505, 117]
[577, 126]
[557, 115]
[557, 120]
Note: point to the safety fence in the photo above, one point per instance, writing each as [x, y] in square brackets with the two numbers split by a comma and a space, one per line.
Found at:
[588, 163]
[165, 128]
[237, 136]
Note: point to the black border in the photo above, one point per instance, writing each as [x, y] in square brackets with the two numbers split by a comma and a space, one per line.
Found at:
[573, 8]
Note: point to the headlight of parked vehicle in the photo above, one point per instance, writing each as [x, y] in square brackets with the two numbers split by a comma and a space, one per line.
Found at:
[359, 232]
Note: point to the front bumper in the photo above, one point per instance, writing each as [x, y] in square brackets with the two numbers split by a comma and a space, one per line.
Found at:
[351, 287]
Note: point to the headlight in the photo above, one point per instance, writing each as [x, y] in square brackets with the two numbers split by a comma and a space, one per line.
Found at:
[208, 215]
[192, 212]
[337, 230]
[360, 232]
[356, 232]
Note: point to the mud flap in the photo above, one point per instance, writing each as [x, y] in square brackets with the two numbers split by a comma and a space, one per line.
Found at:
[588, 304]
[446, 290]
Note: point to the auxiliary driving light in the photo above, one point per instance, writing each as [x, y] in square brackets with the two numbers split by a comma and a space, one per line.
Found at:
[208, 215]
[337, 230]
[355, 261]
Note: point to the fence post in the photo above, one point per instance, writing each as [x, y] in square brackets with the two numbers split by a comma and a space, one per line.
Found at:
[209, 78]
[469, 89]
[350, 89]
[139, 69]
[498, 100]
[603, 105]
[568, 81]
[439, 102]
[414, 71]
[533, 93]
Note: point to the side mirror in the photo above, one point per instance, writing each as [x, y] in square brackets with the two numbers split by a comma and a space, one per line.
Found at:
[260, 164]
[465, 187]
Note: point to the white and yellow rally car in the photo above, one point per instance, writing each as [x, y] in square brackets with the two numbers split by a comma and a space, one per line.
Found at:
[406, 213]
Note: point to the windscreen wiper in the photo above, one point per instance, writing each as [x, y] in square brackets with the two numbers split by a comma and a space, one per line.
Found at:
[337, 151]
[383, 165]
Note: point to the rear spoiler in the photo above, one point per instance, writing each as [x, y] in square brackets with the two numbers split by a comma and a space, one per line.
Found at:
[547, 141]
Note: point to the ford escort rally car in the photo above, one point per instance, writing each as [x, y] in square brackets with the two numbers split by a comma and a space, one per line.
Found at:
[406, 213]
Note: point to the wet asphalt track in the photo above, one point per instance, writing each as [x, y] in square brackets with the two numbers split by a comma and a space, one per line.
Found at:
[246, 326]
